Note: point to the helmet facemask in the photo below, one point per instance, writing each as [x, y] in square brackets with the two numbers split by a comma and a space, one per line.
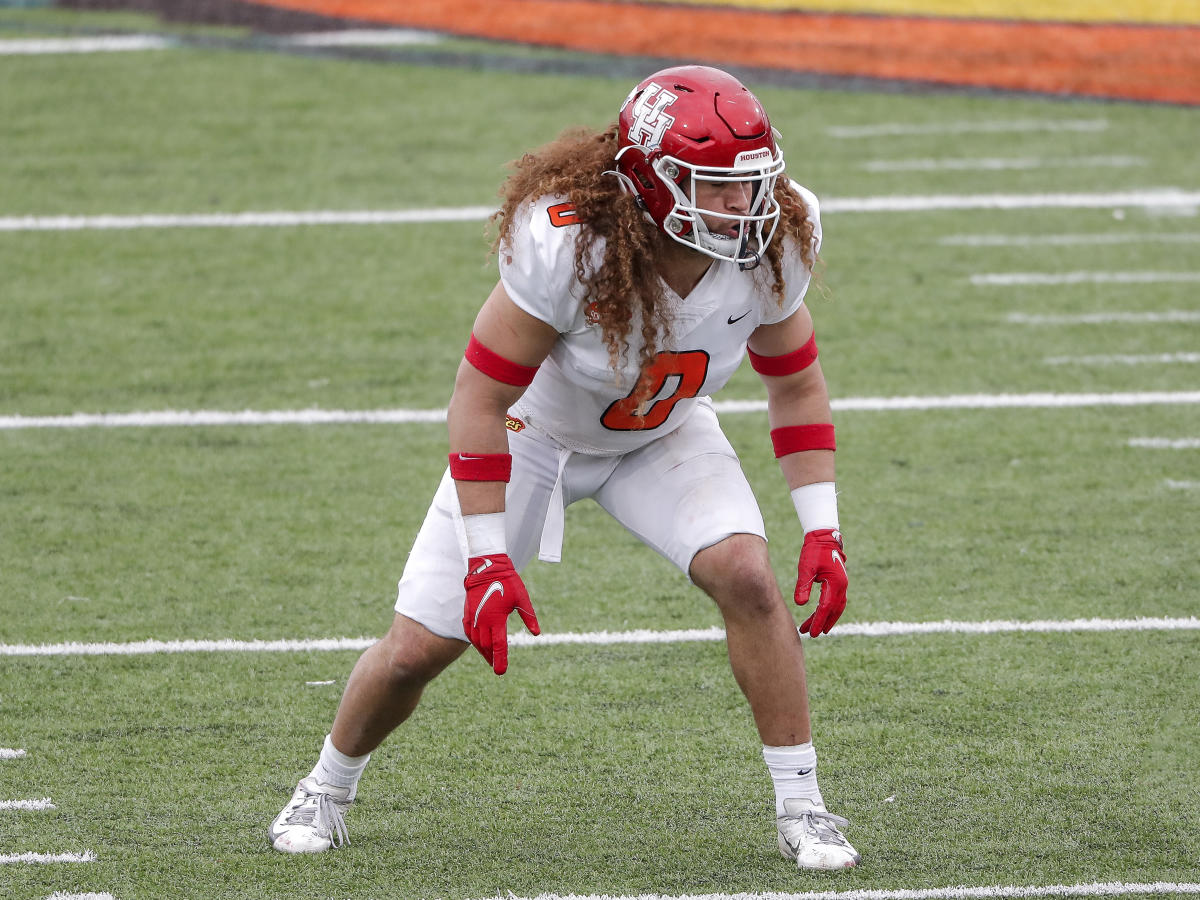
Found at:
[754, 228]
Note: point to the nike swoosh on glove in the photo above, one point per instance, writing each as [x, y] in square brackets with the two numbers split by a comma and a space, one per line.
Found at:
[822, 560]
[494, 590]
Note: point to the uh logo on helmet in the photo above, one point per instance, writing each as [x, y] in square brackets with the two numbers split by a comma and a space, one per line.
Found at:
[692, 124]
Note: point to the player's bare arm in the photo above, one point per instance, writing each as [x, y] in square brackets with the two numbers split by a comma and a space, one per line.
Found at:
[480, 402]
[785, 356]
[797, 398]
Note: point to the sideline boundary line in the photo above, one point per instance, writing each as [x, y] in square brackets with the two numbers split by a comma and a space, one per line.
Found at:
[28, 805]
[86, 856]
[198, 418]
[991, 892]
[639, 636]
[1153, 198]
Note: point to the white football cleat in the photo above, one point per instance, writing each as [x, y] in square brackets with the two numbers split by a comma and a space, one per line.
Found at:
[810, 836]
[314, 819]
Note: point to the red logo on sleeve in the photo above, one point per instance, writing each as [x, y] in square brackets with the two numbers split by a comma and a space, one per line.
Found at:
[562, 214]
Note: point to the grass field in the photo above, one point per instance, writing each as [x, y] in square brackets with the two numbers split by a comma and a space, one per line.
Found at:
[1043, 760]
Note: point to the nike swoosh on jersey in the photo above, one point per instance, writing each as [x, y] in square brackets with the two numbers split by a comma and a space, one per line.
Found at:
[731, 319]
[492, 588]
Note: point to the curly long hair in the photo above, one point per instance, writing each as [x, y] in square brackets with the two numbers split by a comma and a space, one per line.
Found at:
[578, 165]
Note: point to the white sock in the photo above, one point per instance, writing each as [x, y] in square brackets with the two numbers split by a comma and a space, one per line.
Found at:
[794, 771]
[338, 769]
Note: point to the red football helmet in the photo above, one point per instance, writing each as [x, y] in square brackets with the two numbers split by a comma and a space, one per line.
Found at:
[692, 124]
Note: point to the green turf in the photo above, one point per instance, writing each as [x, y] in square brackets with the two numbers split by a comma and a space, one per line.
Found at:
[962, 760]
[975, 760]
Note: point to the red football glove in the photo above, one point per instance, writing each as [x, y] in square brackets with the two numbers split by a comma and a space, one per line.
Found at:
[823, 560]
[494, 590]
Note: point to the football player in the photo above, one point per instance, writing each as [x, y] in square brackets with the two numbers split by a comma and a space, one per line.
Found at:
[638, 266]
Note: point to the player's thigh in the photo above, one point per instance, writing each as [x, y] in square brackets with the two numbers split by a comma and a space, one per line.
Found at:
[431, 590]
[684, 492]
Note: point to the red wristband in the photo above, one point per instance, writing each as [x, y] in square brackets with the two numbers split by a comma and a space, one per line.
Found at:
[495, 365]
[794, 438]
[789, 363]
[480, 466]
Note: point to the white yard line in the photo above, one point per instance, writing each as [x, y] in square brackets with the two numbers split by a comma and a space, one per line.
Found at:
[1165, 317]
[278, 219]
[10, 753]
[1040, 279]
[1159, 443]
[1001, 164]
[90, 895]
[639, 636]
[115, 43]
[1155, 198]
[27, 805]
[1121, 359]
[86, 857]
[1069, 240]
[1001, 126]
[124, 43]
[986, 892]
[1149, 198]
[209, 417]
[1174, 485]
[362, 37]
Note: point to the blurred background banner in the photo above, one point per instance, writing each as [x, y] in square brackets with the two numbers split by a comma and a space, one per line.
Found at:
[1122, 49]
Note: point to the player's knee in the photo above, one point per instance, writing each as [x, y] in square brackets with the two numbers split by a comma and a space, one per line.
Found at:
[413, 656]
[737, 574]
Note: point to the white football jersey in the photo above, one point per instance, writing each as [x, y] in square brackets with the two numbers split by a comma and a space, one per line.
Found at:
[576, 397]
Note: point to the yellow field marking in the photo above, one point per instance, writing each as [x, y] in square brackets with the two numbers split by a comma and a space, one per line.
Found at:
[1159, 12]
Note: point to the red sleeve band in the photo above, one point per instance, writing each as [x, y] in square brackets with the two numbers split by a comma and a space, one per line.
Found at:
[480, 466]
[794, 438]
[789, 363]
[495, 365]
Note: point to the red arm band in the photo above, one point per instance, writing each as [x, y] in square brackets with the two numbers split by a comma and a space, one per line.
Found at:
[787, 364]
[497, 366]
[480, 466]
[794, 438]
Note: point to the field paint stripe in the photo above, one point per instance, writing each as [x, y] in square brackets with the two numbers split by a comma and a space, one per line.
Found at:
[1150, 197]
[193, 418]
[350, 37]
[638, 636]
[1166, 317]
[199, 418]
[248, 219]
[901, 129]
[90, 895]
[28, 805]
[1025, 279]
[998, 164]
[1182, 485]
[1068, 240]
[85, 857]
[362, 37]
[1119, 359]
[991, 892]
[104, 44]
[9, 753]
[149, 647]
[1157, 443]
